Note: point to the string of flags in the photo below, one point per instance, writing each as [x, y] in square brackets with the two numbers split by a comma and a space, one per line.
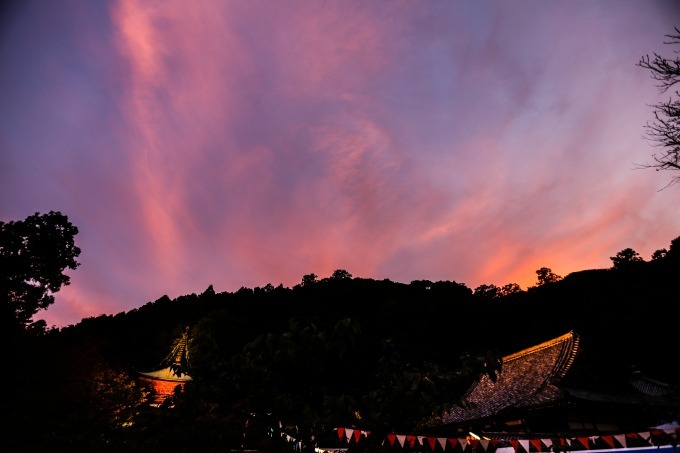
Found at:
[651, 438]
[475, 444]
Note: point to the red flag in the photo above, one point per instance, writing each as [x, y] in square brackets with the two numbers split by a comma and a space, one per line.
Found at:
[341, 433]
[432, 441]
[536, 443]
[411, 441]
[515, 444]
[453, 442]
[609, 440]
[631, 436]
[357, 435]
[584, 441]
[391, 438]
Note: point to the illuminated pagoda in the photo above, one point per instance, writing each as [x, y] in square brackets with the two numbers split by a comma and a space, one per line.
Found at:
[165, 380]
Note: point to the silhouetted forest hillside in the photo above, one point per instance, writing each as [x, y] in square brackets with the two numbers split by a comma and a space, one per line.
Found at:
[337, 351]
[626, 317]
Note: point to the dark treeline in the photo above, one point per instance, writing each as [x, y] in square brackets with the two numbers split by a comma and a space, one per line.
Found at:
[337, 351]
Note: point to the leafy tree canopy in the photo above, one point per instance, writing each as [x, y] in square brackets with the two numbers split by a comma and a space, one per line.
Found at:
[546, 275]
[33, 256]
[625, 258]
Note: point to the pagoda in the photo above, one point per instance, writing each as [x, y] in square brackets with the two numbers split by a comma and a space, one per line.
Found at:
[165, 381]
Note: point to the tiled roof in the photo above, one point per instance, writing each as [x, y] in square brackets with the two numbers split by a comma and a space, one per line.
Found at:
[526, 380]
[649, 386]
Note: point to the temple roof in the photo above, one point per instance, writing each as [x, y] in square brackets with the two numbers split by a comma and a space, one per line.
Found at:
[167, 374]
[177, 360]
[527, 379]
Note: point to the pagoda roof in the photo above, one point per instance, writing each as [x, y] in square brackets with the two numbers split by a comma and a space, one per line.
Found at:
[527, 380]
[167, 374]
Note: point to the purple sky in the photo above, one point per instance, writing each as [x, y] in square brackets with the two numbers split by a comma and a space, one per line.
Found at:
[248, 142]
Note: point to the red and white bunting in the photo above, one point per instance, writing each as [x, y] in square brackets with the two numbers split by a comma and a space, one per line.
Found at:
[655, 437]
[536, 443]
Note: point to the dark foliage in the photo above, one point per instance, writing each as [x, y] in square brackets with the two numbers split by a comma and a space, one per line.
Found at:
[33, 256]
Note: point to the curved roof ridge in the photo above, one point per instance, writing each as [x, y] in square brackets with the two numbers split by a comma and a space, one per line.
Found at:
[526, 379]
[567, 337]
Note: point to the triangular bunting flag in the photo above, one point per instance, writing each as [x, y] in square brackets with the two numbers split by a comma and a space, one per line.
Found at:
[547, 443]
[348, 434]
[514, 444]
[609, 440]
[411, 441]
[473, 443]
[485, 444]
[644, 435]
[453, 442]
[584, 442]
[431, 441]
[341, 433]
[495, 442]
[442, 442]
[621, 438]
[463, 443]
[391, 438]
[524, 443]
[658, 437]
[357, 435]
[536, 443]
[401, 438]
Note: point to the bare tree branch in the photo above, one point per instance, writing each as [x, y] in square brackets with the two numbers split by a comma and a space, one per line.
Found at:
[664, 131]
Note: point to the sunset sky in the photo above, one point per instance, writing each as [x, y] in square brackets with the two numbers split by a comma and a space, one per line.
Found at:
[240, 143]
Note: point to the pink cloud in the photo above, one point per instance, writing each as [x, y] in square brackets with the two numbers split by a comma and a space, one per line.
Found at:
[243, 143]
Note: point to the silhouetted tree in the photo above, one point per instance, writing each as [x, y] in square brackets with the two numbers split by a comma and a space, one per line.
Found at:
[625, 258]
[33, 256]
[308, 280]
[546, 275]
[340, 274]
[422, 285]
[674, 249]
[664, 130]
[510, 288]
[488, 291]
[659, 254]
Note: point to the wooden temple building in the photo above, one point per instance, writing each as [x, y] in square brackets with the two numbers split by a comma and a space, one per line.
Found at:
[532, 406]
[532, 397]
